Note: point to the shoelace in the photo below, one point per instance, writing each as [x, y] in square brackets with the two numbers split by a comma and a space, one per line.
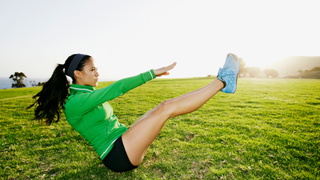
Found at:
[224, 72]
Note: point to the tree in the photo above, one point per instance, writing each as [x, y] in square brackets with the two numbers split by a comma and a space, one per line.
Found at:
[33, 83]
[18, 78]
[315, 69]
[254, 71]
[313, 73]
[41, 83]
[271, 73]
[242, 67]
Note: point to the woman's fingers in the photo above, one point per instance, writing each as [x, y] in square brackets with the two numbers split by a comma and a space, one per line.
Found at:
[173, 65]
[163, 71]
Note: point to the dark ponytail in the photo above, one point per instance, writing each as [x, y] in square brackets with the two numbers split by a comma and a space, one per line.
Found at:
[51, 99]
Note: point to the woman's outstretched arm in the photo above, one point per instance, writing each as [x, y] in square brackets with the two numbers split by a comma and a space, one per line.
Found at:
[87, 101]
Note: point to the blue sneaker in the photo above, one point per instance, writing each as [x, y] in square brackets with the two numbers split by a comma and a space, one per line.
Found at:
[229, 73]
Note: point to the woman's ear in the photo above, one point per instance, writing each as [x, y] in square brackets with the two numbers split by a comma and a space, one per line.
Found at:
[76, 74]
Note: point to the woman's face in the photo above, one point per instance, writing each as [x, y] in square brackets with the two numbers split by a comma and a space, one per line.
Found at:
[89, 75]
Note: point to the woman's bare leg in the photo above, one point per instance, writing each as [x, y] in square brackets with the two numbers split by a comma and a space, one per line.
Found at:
[141, 134]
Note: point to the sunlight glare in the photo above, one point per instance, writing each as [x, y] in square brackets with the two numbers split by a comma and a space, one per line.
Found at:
[261, 60]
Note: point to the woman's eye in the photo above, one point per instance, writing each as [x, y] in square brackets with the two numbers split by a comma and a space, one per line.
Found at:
[94, 69]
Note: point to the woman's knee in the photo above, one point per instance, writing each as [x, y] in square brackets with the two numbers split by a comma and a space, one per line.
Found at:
[166, 107]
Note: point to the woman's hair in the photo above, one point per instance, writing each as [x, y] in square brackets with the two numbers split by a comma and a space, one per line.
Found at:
[51, 99]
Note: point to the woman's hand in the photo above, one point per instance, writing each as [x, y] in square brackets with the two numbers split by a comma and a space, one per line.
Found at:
[164, 70]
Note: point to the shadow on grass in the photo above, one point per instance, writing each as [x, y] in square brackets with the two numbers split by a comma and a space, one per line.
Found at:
[94, 171]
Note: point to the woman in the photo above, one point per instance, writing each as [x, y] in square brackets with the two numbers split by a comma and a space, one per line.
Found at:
[88, 112]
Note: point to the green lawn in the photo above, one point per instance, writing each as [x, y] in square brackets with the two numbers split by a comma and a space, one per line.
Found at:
[268, 129]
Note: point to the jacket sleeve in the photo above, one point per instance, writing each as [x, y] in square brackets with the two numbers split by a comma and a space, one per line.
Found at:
[85, 102]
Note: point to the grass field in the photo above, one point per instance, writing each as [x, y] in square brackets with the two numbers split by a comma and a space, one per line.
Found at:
[269, 129]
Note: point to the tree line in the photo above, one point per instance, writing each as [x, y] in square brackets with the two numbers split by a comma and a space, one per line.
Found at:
[18, 80]
[255, 71]
[313, 73]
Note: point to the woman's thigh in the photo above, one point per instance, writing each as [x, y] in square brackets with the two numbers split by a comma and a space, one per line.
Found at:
[139, 137]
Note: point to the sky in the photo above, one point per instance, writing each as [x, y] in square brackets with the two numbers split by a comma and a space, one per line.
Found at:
[127, 37]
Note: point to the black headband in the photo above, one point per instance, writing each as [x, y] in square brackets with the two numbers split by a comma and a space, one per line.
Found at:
[74, 64]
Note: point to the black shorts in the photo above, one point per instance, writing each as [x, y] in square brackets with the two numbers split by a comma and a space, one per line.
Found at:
[117, 160]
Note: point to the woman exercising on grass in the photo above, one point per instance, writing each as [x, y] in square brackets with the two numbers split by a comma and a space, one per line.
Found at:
[87, 110]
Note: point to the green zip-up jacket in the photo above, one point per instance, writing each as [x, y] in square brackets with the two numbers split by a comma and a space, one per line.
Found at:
[89, 113]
